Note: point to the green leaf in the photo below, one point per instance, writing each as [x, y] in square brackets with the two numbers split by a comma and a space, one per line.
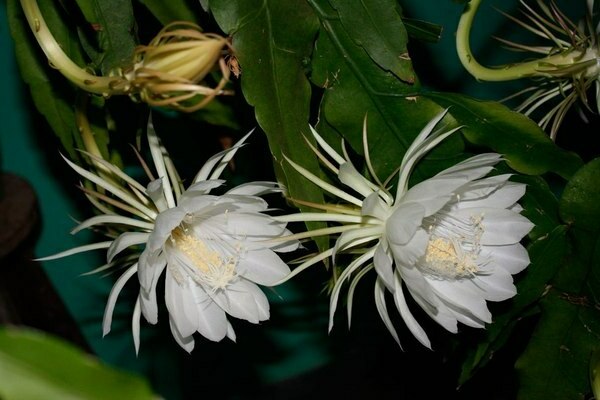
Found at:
[555, 364]
[526, 147]
[273, 40]
[580, 203]
[547, 254]
[53, 96]
[377, 27]
[35, 365]
[173, 10]
[540, 205]
[422, 30]
[355, 86]
[114, 24]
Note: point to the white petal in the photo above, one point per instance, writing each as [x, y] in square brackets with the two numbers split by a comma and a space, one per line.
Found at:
[407, 316]
[374, 206]
[204, 186]
[238, 302]
[230, 332]
[262, 266]
[186, 343]
[124, 241]
[404, 221]
[211, 321]
[383, 265]
[112, 298]
[179, 301]
[166, 221]
[416, 283]
[462, 295]
[498, 285]
[135, 326]
[434, 193]
[255, 188]
[503, 197]
[112, 219]
[350, 177]
[474, 167]
[482, 187]
[382, 309]
[500, 226]
[440, 313]
[151, 265]
[252, 225]
[411, 252]
[512, 257]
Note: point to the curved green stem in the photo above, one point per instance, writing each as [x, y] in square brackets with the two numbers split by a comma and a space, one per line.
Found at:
[539, 67]
[57, 57]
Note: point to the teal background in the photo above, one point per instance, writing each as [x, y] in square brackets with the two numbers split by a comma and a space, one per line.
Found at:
[29, 149]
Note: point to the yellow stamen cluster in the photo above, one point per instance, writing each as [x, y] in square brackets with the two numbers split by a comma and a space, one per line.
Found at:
[211, 267]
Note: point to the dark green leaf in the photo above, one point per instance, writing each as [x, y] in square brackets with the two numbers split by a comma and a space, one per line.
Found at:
[422, 30]
[580, 203]
[273, 39]
[526, 147]
[173, 10]
[34, 365]
[52, 94]
[547, 254]
[377, 27]
[114, 24]
[540, 205]
[355, 87]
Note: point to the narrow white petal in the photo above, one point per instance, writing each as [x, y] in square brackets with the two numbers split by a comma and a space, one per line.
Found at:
[135, 325]
[375, 206]
[324, 185]
[118, 192]
[255, 188]
[440, 313]
[325, 146]
[77, 250]
[124, 241]
[113, 219]
[352, 288]
[407, 316]
[382, 309]
[156, 151]
[230, 332]
[350, 177]
[229, 155]
[204, 186]
[335, 293]
[112, 298]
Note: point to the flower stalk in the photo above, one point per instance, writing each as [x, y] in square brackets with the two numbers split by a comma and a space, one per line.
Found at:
[568, 68]
[168, 72]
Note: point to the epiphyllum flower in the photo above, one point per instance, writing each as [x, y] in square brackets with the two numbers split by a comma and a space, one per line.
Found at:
[451, 242]
[213, 250]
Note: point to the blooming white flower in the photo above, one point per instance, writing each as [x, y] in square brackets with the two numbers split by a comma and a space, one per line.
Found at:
[213, 250]
[451, 241]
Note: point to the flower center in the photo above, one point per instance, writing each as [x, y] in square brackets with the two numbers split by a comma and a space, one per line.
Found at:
[453, 247]
[213, 267]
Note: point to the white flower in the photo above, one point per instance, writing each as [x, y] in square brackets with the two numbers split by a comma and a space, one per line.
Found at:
[213, 250]
[451, 241]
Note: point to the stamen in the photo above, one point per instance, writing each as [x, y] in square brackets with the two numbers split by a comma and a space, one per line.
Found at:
[454, 247]
[211, 267]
